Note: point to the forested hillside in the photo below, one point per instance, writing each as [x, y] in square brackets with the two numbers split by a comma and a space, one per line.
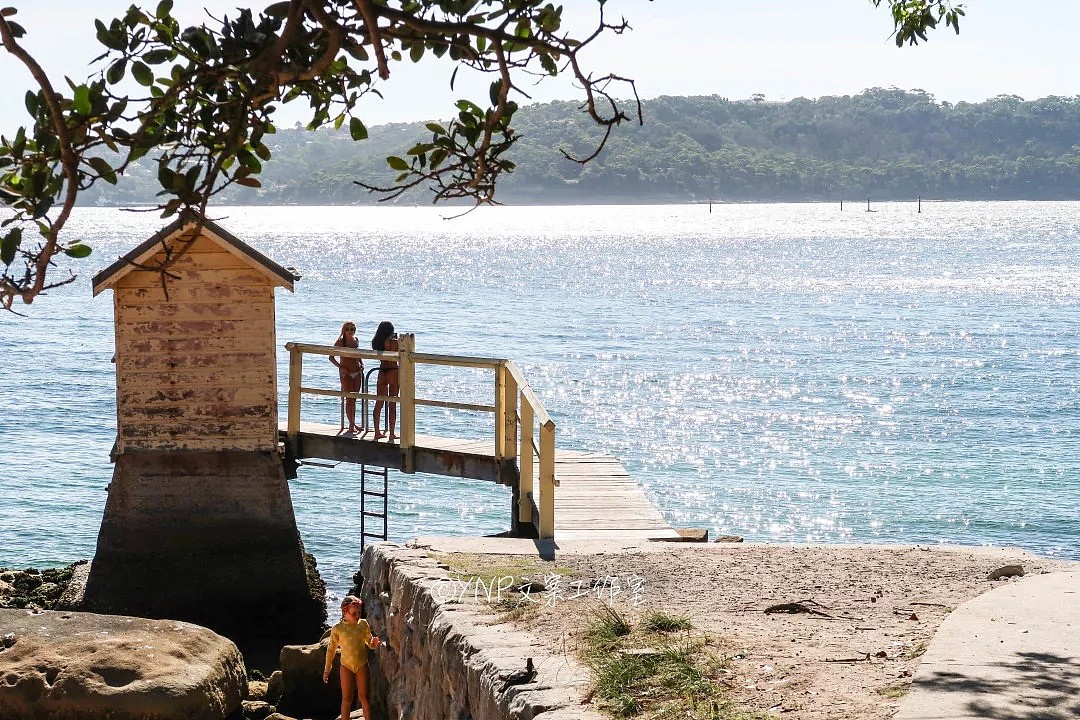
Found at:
[887, 144]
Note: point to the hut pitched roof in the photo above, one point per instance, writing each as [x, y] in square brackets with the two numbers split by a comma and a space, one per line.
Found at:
[133, 260]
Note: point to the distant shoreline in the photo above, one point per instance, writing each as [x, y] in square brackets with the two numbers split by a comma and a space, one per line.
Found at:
[854, 202]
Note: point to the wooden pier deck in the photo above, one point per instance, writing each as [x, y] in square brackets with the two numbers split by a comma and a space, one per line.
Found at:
[595, 497]
[561, 494]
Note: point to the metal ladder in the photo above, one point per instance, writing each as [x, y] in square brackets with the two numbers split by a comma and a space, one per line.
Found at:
[380, 512]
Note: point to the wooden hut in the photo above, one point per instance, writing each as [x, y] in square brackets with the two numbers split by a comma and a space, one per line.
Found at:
[195, 341]
[198, 523]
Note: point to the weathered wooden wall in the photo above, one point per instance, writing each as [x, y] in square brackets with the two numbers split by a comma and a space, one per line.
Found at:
[195, 369]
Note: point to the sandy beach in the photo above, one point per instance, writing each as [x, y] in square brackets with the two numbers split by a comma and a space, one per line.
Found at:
[851, 625]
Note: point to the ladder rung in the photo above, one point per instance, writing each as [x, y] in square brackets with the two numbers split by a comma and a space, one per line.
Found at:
[374, 473]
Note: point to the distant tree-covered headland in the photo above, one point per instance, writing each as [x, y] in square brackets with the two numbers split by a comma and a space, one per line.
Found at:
[882, 143]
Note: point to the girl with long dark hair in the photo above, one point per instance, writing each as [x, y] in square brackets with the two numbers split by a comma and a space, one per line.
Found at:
[386, 340]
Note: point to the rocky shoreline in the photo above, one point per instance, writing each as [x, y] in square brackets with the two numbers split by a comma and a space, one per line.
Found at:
[34, 588]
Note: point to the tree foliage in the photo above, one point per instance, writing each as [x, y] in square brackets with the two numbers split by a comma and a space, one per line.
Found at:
[915, 18]
[204, 97]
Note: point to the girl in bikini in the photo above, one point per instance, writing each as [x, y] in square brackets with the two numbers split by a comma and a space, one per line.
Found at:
[386, 340]
[350, 370]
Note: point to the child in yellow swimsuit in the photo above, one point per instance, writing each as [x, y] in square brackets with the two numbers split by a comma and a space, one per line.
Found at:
[354, 637]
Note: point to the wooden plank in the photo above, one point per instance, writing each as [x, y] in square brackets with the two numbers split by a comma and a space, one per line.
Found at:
[583, 505]
[451, 444]
[612, 475]
[222, 412]
[144, 395]
[622, 520]
[254, 306]
[602, 503]
[195, 328]
[194, 427]
[191, 378]
[601, 506]
[250, 434]
[626, 535]
[180, 293]
[176, 311]
[198, 443]
[152, 278]
[161, 345]
[189, 242]
[183, 261]
[179, 361]
[600, 522]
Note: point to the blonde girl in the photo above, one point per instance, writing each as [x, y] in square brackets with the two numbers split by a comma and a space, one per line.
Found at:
[350, 370]
[353, 635]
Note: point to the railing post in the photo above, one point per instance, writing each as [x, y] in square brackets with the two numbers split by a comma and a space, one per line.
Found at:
[500, 411]
[296, 374]
[525, 464]
[407, 396]
[510, 413]
[546, 531]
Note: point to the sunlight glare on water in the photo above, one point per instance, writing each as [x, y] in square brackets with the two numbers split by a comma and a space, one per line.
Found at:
[788, 373]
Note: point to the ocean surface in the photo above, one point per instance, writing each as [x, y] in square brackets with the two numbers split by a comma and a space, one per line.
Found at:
[788, 373]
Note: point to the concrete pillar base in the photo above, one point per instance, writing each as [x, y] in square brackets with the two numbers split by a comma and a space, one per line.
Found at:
[210, 538]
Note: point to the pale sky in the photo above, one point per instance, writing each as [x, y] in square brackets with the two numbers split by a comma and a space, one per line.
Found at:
[734, 48]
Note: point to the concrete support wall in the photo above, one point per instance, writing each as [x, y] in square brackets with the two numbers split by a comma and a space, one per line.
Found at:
[207, 537]
[446, 659]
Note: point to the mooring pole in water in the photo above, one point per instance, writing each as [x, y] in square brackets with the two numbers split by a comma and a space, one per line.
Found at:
[867, 203]
[710, 206]
[841, 204]
[920, 203]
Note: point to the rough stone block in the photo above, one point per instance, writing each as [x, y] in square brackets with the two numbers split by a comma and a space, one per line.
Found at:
[81, 666]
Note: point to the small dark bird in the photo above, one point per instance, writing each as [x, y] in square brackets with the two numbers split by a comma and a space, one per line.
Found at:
[521, 677]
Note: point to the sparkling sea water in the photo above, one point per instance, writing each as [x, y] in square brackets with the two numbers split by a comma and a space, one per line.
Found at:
[788, 373]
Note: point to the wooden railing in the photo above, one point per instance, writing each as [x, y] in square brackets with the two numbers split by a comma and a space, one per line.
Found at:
[516, 408]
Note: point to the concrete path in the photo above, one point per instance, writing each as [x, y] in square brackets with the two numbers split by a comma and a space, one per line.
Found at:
[1012, 653]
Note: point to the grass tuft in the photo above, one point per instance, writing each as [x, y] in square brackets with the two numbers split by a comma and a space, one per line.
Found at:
[632, 678]
[892, 691]
[607, 625]
[663, 623]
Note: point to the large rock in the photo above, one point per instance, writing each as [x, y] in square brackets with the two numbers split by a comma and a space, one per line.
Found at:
[303, 692]
[81, 666]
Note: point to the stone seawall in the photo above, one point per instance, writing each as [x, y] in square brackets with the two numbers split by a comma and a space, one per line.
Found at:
[447, 658]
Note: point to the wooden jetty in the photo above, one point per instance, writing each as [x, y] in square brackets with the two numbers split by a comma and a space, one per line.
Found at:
[557, 494]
